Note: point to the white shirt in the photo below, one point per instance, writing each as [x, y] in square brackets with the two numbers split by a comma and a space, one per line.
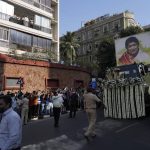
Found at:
[57, 101]
[25, 103]
[10, 130]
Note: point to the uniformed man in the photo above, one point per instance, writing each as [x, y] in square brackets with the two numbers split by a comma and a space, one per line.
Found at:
[90, 100]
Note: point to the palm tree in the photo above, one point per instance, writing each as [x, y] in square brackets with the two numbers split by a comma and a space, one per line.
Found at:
[106, 55]
[68, 47]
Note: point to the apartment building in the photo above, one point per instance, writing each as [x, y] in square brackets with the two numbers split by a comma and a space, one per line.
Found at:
[146, 27]
[90, 35]
[29, 28]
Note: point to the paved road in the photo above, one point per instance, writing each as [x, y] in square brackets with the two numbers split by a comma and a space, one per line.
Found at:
[111, 134]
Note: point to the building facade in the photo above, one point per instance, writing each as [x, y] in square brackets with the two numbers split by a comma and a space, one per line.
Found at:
[90, 35]
[29, 28]
[39, 75]
[146, 27]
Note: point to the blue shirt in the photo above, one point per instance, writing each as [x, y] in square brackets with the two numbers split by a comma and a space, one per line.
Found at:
[10, 130]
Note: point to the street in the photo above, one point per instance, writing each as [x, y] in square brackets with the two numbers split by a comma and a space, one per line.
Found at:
[111, 134]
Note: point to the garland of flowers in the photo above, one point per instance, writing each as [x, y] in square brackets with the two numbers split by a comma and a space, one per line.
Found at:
[124, 97]
[122, 82]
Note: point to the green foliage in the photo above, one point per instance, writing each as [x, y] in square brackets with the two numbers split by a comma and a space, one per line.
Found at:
[68, 47]
[130, 31]
[106, 55]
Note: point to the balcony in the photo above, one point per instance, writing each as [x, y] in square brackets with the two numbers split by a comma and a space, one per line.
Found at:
[21, 21]
[38, 5]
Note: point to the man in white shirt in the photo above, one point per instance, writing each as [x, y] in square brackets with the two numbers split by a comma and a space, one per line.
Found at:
[57, 104]
[10, 125]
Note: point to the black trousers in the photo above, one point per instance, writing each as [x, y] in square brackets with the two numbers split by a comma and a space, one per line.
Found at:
[56, 113]
[72, 111]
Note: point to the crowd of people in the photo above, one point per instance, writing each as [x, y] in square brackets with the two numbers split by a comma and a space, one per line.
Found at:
[36, 104]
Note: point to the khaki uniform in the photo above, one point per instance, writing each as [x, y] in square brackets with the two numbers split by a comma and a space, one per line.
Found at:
[90, 108]
[25, 110]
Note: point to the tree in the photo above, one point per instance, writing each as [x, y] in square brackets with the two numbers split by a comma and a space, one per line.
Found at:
[130, 31]
[146, 30]
[106, 55]
[68, 47]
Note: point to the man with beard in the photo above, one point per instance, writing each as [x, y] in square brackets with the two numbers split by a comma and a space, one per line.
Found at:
[10, 125]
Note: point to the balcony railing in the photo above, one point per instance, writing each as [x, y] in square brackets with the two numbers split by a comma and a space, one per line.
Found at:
[20, 21]
[38, 5]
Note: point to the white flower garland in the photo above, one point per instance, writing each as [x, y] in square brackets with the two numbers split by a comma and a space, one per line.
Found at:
[124, 98]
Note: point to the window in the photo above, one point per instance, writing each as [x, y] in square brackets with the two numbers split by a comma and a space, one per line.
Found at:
[96, 32]
[43, 2]
[44, 44]
[84, 49]
[29, 40]
[96, 45]
[38, 1]
[111, 26]
[83, 36]
[6, 8]
[11, 82]
[35, 42]
[20, 38]
[116, 25]
[4, 34]
[48, 3]
[89, 34]
[1, 33]
[41, 42]
[90, 58]
[42, 21]
[105, 28]
[89, 47]
[53, 83]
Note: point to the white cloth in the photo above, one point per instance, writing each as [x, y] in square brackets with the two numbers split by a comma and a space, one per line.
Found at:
[49, 105]
[10, 130]
[25, 103]
[57, 101]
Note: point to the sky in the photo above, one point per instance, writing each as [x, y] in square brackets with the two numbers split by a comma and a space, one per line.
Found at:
[74, 13]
